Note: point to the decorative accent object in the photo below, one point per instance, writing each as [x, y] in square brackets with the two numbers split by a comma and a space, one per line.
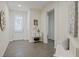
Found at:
[36, 31]
[36, 39]
[2, 20]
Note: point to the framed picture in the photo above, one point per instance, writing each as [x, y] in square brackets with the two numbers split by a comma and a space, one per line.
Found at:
[36, 22]
[2, 20]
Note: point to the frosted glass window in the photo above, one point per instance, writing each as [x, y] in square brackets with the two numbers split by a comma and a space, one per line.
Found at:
[18, 24]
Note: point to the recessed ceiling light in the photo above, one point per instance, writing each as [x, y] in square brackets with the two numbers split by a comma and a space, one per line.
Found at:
[19, 5]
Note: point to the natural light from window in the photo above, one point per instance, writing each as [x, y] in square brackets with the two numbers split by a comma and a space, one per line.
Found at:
[18, 24]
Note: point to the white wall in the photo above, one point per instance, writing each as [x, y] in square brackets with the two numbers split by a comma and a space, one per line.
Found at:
[4, 36]
[34, 14]
[61, 23]
[29, 15]
[18, 35]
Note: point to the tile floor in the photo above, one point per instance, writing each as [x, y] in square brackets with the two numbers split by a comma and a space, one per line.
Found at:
[22, 48]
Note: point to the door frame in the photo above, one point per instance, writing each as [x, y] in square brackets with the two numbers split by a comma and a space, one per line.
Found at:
[48, 25]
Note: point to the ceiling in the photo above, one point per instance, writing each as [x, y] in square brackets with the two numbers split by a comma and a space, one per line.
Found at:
[25, 5]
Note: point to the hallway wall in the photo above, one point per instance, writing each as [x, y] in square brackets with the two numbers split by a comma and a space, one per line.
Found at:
[18, 35]
[29, 17]
[4, 35]
[61, 24]
[34, 14]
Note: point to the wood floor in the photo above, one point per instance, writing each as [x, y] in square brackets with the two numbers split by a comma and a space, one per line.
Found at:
[22, 48]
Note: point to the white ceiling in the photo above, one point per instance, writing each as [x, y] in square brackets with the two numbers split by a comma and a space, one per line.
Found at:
[27, 4]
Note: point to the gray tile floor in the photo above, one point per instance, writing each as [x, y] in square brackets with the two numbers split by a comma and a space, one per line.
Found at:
[22, 48]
